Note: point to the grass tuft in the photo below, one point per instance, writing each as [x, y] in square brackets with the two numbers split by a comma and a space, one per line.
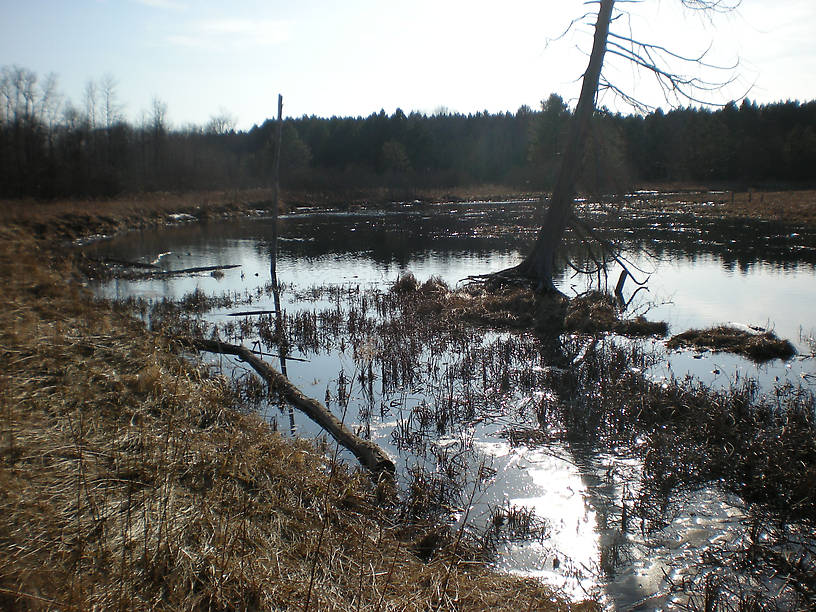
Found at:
[757, 345]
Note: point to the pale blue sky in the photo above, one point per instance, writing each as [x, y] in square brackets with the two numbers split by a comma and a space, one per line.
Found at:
[358, 56]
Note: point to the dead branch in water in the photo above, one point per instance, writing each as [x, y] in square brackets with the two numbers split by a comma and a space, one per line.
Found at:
[367, 452]
[194, 270]
[250, 313]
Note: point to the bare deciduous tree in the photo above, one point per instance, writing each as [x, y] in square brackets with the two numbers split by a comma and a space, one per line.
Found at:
[111, 108]
[91, 101]
[222, 123]
[158, 116]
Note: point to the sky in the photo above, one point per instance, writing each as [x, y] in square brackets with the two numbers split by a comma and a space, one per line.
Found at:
[204, 57]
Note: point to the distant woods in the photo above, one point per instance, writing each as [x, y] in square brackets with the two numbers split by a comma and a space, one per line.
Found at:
[51, 148]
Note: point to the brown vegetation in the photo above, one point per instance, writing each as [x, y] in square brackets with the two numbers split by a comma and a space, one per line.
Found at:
[794, 206]
[596, 312]
[131, 478]
[517, 307]
[789, 206]
[758, 345]
[69, 220]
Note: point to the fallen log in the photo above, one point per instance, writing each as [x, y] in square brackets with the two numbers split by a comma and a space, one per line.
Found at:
[367, 452]
[251, 313]
[195, 270]
[155, 272]
[285, 357]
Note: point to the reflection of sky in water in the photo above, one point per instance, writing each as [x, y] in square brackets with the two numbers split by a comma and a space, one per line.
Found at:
[551, 486]
[569, 488]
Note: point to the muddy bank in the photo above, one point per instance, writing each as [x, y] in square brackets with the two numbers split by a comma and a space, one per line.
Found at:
[69, 220]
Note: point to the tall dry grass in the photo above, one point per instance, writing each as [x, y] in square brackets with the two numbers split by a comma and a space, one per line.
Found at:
[75, 219]
[131, 479]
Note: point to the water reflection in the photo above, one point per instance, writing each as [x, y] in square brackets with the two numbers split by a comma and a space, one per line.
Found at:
[704, 272]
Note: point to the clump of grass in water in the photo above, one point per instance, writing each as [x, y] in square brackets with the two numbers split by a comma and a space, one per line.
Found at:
[596, 312]
[515, 307]
[757, 345]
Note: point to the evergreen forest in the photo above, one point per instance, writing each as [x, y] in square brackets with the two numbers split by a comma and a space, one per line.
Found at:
[50, 148]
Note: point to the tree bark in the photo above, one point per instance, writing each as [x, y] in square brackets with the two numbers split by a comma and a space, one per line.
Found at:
[273, 264]
[367, 452]
[539, 265]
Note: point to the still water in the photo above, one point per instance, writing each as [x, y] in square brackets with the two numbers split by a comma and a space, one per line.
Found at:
[701, 272]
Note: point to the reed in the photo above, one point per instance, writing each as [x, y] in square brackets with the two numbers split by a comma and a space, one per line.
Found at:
[133, 478]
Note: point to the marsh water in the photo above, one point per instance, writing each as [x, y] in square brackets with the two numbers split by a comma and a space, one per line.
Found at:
[571, 493]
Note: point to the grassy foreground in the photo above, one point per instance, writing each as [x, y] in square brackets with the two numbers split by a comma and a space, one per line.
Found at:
[132, 479]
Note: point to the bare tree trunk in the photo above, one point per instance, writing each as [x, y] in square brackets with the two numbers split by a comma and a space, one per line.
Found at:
[273, 265]
[539, 265]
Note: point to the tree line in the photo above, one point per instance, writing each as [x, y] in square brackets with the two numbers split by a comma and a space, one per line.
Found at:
[51, 148]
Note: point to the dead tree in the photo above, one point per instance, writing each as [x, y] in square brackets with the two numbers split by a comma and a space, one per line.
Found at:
[371, 456]
[273, 264]
[538, 266]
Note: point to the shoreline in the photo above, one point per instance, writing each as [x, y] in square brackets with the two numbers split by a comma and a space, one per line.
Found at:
[135, 478]
[68, 221]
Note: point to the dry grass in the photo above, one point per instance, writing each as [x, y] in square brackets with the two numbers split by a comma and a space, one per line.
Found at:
[796, 206]
[74, 219]
[130, 479]
[759, 346]
[790, 206]
[515, 307]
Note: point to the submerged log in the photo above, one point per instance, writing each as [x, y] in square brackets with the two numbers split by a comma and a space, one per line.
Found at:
[367, 452]
[125, 263]
[251, 313]
[198, 269]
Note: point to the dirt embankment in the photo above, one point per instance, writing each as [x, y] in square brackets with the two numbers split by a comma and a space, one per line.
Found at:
[132, 479]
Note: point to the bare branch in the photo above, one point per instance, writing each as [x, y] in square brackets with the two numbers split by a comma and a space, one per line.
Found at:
[715, 6]
[568, 29]
[676, 87]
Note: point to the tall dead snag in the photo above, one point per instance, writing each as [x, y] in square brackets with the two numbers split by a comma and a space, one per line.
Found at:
[273, 264]
[540, 263]
[371, 456]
